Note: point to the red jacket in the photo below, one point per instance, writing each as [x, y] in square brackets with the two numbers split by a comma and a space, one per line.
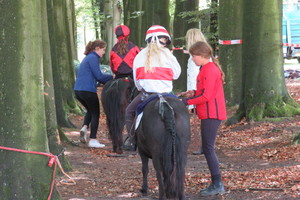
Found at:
[122, 64]
[209, 96]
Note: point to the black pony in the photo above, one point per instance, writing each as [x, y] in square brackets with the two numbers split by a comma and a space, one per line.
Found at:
[164, 135]
[115, 97]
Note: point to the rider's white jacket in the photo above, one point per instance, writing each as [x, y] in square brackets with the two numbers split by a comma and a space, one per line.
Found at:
[165, 69]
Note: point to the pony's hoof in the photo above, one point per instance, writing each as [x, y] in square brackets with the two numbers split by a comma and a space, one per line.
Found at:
[144, 192]
[116, 155]
[129, 147]
[119, 151]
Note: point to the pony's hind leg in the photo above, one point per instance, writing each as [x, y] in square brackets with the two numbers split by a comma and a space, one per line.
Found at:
[162, 194]
[145, 171]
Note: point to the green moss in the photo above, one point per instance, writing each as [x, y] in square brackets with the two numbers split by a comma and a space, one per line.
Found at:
[256, 113]
[276, 119]
[269, 105]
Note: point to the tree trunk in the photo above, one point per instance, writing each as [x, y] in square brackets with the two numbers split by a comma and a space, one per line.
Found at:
[133, 19]
[117, 10]
[71, 21]
[214, 23]
[108, 28]
[156, 12]
[95, 8]
[22, 125]
[180, 27]
[264, 90]
[230, 56]
[161, 14]
[62, 61]
[50, 110]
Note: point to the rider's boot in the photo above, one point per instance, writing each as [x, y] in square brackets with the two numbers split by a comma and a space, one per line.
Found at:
[130, 141]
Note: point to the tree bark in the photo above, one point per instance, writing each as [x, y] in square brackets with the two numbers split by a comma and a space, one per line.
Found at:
[62, 61]
[180, 27]
[133, 19]
[71, 21]
[264, 90]
[214, 24]
[108, 28]
[230, 56]
[117, 11]
[54, 141]
[22, 125]
[95, 8]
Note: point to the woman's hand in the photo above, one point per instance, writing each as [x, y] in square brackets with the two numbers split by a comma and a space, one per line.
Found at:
[187, 94]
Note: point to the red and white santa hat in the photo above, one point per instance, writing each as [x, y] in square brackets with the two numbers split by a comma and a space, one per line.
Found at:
[156, 31]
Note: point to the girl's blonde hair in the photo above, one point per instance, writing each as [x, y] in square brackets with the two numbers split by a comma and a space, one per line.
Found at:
[155, 51]
[204, 49]
[193, 35]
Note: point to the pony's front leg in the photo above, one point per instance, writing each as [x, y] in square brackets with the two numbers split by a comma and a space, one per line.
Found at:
[145, 170]
[161, 188]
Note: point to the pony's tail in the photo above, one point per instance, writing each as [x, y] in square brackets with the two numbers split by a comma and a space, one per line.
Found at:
[115, 118]
[171, 155]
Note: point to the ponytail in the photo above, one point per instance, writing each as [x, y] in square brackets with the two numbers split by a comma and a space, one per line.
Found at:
[216, 61]
[204, 49]
[122, 46]
[88, 48]
[91, 46]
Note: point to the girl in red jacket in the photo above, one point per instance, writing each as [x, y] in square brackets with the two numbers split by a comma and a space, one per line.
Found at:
[211, 109]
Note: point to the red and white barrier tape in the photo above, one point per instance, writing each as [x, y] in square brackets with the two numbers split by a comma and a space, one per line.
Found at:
[182, 49]
[290, 45]
[230, 42]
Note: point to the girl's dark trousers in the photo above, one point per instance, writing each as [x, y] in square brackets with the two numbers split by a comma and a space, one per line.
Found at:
[209, 129]
[91, 102]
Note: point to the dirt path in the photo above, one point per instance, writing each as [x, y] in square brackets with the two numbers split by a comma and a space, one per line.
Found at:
[258, 161]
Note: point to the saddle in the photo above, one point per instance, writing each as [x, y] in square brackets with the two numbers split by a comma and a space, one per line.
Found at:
[141, 106]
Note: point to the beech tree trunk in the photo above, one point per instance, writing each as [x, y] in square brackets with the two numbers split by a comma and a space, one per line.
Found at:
[264, 90]
[180, 27]
[62, 61]
[133, 19]
[230, 56]
[108, 29]
[22, 105]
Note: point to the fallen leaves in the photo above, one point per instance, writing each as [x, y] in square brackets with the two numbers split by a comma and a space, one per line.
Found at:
[255, 158]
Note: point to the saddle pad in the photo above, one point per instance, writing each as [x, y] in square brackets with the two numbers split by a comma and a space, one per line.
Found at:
[138, 120]
[142, 105]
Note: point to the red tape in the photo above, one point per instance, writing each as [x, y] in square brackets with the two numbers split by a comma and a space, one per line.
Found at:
[290, 45]
[52, 160]
[182, 49]
[230, 42]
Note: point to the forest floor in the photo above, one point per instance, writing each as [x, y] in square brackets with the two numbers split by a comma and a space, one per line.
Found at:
[257, 159]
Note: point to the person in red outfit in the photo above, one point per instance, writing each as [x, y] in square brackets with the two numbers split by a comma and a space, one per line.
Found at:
[123, 53]
[211, 108]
